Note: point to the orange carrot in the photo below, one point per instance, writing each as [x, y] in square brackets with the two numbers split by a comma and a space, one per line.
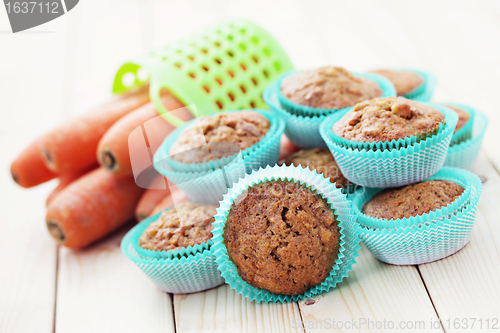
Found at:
[287, 148]
[92, 207]
[113, 151]
[151, 198]
[64, 181]
[28, 169]
[72, 145]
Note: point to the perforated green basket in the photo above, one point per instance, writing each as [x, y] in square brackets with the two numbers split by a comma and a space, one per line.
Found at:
[223, 68]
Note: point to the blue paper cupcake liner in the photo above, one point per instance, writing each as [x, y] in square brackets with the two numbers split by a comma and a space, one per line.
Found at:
[162, 158]
[422, 93]
[371, 166]
[464, 133]
[178, 275]
[308, 111]
[464, 154]
[302, 131]
[210, 185]
[176, 253]
[431, 240]
[347, 223]
[207, 186]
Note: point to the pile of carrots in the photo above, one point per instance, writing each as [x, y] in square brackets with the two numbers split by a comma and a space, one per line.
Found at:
[90, 157]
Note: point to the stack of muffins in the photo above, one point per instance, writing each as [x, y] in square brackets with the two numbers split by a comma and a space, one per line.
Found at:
[203, 158]
[290, 231]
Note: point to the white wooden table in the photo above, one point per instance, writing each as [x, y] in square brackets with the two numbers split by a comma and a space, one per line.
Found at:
[64, 67]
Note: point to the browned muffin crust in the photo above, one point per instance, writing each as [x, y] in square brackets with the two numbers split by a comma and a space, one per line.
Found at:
[320, 160]
[328, 88]
[282, 237]
[412, 200]
[387, 119]
[404, 82]
[225, 133]
[463, 116]
[185, 225]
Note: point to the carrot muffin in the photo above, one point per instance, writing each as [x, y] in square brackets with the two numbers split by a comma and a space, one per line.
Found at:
[404, 82]
[185, 225]
[328, 88]
[218, 136]
[320, 160]
[412, 200]
[463, 116]
[387, 119]
[282, 237]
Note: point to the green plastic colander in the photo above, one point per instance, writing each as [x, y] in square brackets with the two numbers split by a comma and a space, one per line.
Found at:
[222, 68]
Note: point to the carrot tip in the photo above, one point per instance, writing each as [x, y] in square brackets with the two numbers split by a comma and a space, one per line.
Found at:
[16, 179]
[48, 158]
[108, 160]
[56, 231]
[47, 155]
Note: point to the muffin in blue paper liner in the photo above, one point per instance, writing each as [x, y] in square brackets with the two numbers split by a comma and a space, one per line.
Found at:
[192, 271]
[464, 133]
[394, 163]
[209, 186]
[176, 253]
[302, 131]
[464, 154]
[460, 177]
[349, 230]
[162, 158]
[424, 238]
[307, 111]
[424, 92]
[442, 129]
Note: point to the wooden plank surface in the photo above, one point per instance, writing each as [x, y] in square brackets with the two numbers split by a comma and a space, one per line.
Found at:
[464, 287]
[30, 103]
[223, 310]
[100, 290]
[375, 297]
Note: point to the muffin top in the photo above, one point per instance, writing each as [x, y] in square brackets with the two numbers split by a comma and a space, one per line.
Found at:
[412, 200]
[185, 225]
[387, 119]
[404, 82]
[282, 237]
[328, 88]
[463, 116]
[320, 160]
[220, 135]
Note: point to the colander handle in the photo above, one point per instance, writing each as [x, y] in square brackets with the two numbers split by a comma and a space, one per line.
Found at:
[154, 93]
